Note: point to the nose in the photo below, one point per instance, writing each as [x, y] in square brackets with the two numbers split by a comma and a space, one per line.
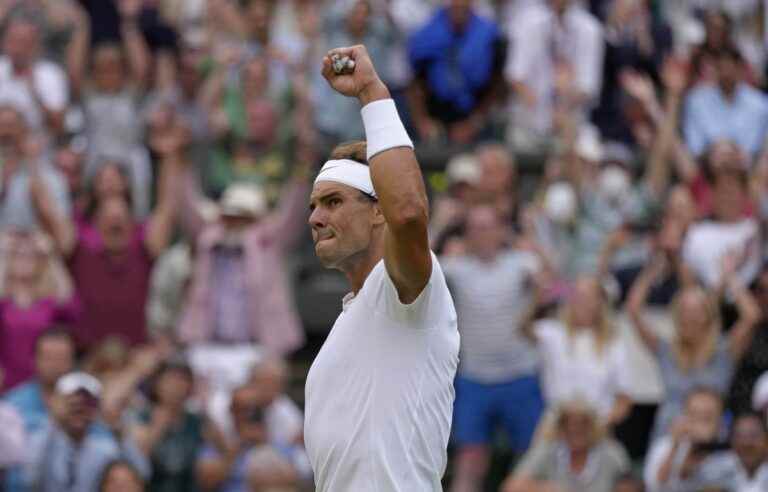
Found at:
[317, 219]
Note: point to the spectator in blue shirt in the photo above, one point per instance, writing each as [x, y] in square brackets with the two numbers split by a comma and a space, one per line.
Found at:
[730, 109]
[70, 451]
[457, 59]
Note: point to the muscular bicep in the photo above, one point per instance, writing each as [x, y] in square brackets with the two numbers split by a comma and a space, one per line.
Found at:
[408, 262]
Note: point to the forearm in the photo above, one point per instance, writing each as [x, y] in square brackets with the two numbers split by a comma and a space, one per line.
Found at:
[136, 50]
[665, 470]
[396, 176]
[61, 229]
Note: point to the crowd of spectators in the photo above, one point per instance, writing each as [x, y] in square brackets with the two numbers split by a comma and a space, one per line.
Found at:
[598, 172]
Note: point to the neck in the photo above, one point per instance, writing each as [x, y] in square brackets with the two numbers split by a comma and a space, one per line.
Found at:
[578, 459]
[728, 90]
[22, 292]
[357, 269]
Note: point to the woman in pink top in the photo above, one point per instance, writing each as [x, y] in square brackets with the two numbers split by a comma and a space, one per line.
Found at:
[35, 292]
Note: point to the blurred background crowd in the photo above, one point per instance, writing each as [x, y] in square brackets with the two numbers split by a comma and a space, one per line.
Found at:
[598, 172]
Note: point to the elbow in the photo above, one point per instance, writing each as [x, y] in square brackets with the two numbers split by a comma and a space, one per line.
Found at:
[413, 214]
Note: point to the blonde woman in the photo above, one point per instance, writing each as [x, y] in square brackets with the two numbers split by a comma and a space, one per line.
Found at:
[573, 454]
[35, 292]
[698, 355]
[581, 356]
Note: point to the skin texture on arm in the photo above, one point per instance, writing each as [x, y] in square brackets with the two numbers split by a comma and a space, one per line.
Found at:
[398, 182]
[636, 303]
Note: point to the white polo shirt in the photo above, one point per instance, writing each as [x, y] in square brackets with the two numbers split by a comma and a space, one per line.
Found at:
[379, 395]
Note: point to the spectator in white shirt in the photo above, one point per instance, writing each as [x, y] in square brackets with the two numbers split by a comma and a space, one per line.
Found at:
[552, 42]
[38, 87]
[581, 357]
[673, 457]
[728, 232]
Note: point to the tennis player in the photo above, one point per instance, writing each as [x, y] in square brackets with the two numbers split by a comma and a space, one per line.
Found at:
[379, 395]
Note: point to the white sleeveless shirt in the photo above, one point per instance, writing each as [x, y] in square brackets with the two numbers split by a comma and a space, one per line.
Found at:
[379, 395]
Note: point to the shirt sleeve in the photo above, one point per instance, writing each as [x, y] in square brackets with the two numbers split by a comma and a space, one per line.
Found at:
[52, 88]
[589, 71]
[418, 311]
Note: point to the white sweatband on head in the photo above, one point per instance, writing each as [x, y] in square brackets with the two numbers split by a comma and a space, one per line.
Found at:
[383, 128]
[348, 172]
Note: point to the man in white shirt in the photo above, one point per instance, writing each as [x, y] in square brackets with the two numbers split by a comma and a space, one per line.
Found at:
[556, 37]
[36, 86]
[380, 392]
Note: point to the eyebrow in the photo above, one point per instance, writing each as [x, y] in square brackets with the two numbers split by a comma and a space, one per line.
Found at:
[322, 198]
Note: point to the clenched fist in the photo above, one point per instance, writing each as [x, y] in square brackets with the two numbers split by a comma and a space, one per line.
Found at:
[363, 82]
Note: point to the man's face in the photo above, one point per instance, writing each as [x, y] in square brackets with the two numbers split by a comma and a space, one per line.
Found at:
[728, 72]
[342, 222]
[70, 165]
[54, 358]
[485, 232]
[81, 410]
[459, 11]
[750, 442]
[20, 43]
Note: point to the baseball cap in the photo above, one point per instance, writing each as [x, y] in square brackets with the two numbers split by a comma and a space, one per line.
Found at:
[243, 200]
[463, 168]
[73, 382]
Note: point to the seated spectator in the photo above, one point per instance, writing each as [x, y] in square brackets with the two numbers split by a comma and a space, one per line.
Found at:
[673, 457]
[248, 461]
[347, 24]
[35, 292]
[574, 454]
[36, 86]
[121, 476]
[167, 432]
[555, 65]
[496, 383]
[729, 109]
[745, 467]
[110, 99]
[698, 355]
[581, 356]
[238, 294]
[12, 438]
[111, 257]
[27, 177]
[71, 449]
[457, 59]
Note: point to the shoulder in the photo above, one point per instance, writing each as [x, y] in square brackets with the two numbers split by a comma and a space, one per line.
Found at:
[615, 453]
[433, 303]
[585, 21]
[46, 68]
[549, 329]
[23, 396]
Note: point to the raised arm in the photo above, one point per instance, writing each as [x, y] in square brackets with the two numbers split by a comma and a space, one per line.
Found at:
[636, 303]
[161, 222]
[395, 173]
[54, 222]
[743, 330]
[136, 49]
[78, 53]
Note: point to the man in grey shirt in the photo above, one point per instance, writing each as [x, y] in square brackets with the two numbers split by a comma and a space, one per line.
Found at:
[25, 176]
[496, 381]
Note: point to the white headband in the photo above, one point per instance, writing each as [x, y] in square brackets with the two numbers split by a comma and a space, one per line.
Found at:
[348, 172]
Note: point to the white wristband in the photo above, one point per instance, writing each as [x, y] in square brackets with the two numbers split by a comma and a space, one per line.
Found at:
[383, 128]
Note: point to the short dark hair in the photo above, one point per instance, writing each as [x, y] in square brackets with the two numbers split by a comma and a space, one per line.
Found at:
[56, 331]
[750, 414]
[355, 151]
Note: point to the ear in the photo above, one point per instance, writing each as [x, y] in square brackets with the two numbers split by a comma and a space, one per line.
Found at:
[378, 215]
